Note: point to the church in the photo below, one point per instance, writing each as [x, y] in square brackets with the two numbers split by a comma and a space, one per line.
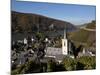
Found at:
[59, 53]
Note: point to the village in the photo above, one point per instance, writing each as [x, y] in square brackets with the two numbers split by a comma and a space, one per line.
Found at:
[30, 49]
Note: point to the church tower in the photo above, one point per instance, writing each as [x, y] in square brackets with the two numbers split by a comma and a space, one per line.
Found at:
[64, 44]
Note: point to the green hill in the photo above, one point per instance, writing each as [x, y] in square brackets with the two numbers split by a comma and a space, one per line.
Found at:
[91, 25]
[85, 37]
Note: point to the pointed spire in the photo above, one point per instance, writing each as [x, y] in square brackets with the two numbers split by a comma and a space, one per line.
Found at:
[64, 33]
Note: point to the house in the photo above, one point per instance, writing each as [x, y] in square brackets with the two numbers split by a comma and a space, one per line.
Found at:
[90, 51]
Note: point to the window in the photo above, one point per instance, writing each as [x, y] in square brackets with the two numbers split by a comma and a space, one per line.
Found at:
[64, 44]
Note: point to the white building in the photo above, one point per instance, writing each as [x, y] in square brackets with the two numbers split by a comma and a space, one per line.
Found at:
[25, 41]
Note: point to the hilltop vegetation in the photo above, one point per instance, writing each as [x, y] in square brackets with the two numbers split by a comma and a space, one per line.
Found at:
[91, 25]
[27, 22]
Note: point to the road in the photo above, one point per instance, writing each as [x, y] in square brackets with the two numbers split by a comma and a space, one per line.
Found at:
[88, 29]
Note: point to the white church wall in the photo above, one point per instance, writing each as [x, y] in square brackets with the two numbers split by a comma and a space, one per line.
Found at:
[64, 47]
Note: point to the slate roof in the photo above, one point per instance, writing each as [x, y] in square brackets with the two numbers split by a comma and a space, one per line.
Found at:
[55, 53]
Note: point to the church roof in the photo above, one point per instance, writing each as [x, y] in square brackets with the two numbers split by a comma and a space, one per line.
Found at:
[51, 51]
[55, 53]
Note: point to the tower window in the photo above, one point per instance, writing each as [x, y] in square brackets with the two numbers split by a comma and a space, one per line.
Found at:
[64, 44]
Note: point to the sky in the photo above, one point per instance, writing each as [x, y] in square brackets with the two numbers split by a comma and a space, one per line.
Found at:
[75, 14]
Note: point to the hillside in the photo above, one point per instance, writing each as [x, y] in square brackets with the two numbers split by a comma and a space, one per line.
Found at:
[85, 35]
[26, 22]
[91, 25]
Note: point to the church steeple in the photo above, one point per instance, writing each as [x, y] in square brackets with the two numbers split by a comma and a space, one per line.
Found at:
[64, 44]
[64, 33]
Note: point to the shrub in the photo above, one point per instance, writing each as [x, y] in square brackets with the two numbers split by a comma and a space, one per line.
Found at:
[69, 64]
[51, 65]
[89, 62]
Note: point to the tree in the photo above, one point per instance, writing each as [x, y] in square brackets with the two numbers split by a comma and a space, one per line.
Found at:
[89, 62]
[32, 67]
[82, 63]
[76, 50]
[51, 66]
[40, 36]
[69, 64]
[18, 70]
